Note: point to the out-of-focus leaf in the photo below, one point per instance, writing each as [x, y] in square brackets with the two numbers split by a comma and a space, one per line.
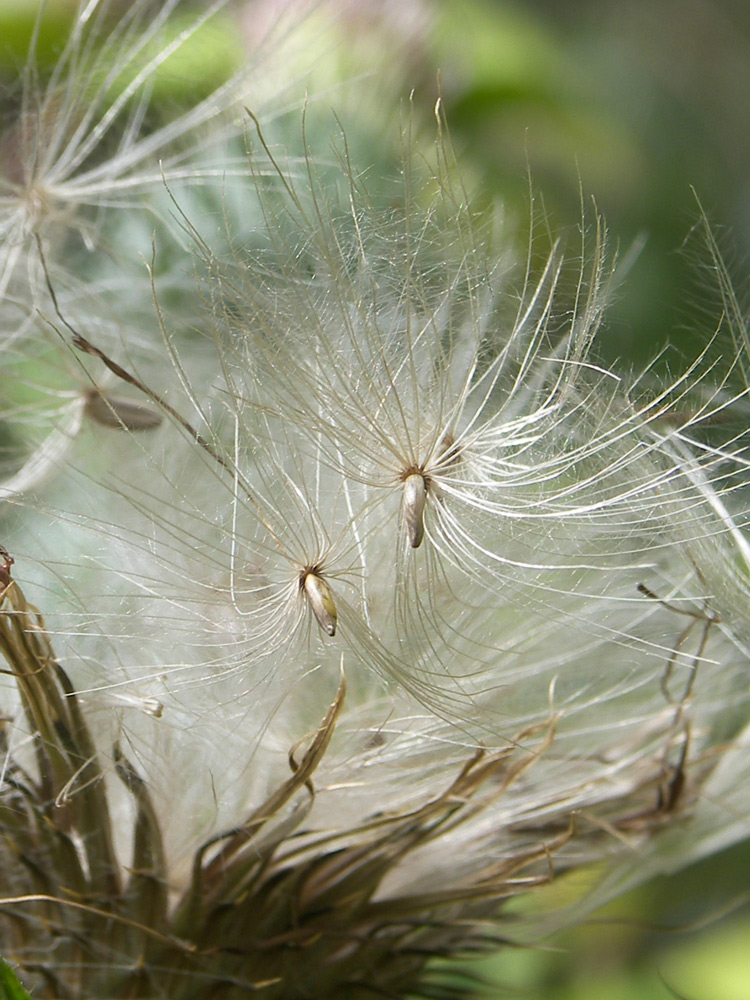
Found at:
[17, 21]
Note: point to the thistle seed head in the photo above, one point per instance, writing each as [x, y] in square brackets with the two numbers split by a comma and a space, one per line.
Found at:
[211, 785]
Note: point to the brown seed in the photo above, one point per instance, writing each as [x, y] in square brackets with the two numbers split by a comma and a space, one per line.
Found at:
[115, 411]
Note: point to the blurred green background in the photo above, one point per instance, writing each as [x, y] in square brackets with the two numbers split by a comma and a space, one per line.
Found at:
[632, 104]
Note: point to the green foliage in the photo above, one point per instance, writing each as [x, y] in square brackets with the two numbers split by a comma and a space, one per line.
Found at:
[10, 987]
[18, 19]
[609, 101]
[204, 57]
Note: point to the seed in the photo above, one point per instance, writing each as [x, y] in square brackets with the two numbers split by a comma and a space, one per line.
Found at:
[321, 601]
[115, 411]
[415, 495]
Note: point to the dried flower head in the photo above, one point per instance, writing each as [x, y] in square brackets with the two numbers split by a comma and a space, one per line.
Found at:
[369, 601]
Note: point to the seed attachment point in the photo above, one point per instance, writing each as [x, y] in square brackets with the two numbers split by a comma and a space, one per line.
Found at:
[415, 496]
[320, 599]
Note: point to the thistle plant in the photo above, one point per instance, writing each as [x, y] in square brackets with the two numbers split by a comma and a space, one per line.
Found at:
[346, 596]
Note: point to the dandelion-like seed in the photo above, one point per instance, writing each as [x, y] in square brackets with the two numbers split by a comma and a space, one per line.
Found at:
[359, 604]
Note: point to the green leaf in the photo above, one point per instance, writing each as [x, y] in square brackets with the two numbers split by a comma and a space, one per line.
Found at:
[10, 987]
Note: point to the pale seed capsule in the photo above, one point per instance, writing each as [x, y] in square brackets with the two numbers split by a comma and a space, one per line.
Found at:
[320, 599]
[415, 495]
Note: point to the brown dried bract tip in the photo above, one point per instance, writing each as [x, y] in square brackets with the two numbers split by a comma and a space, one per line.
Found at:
[320, 599]
[116, 411]
[6, 561]
[449, 451]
